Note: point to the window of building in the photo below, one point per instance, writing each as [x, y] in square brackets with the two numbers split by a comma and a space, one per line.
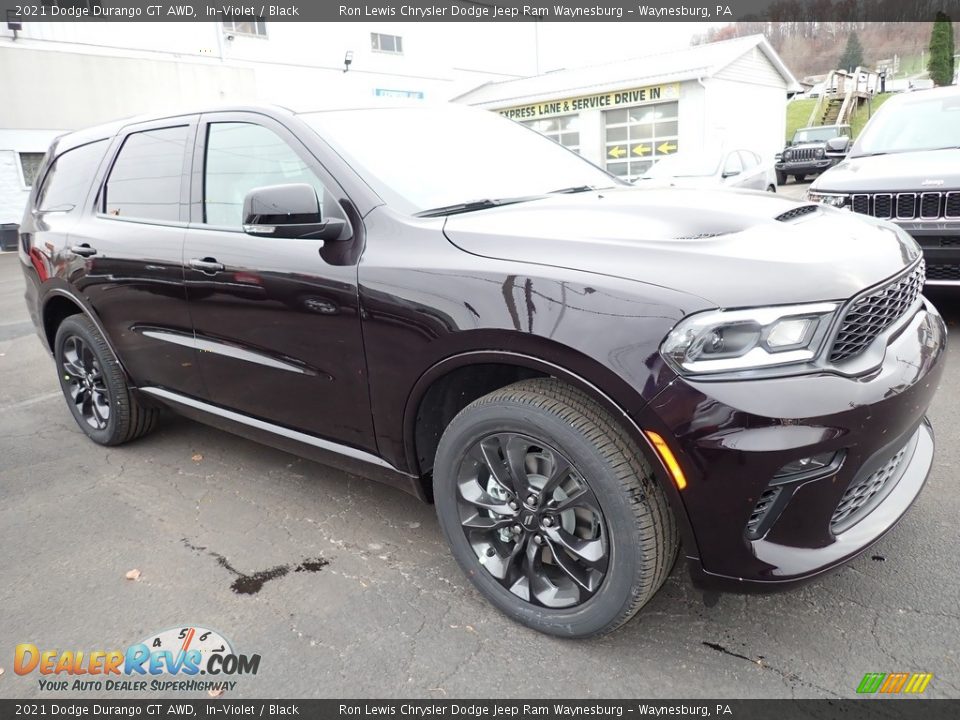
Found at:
[243, 156]
[69, 177]
[386, 43]
[30, 163]
[144, 183]
[564, 130]
[639, 136]
[255, 28]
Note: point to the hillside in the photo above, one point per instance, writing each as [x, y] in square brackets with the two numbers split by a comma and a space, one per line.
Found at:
[798, 113]
[815, 48]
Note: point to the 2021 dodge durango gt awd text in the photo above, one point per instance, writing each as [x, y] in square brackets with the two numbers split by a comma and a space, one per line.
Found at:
[581, 375]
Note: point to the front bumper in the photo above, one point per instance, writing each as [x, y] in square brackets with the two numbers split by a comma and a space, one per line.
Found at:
[734, 436]
[805, 167]
[940, 242]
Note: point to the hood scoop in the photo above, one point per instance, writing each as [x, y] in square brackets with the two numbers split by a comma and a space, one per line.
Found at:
[797, 212]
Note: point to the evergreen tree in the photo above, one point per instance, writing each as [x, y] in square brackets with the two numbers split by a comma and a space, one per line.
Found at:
[852, 57]
[941, 50]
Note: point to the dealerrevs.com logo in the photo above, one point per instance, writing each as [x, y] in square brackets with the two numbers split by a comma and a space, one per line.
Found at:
[172, 660]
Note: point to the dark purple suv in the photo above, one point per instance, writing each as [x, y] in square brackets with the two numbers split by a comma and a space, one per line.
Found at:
[583, 376]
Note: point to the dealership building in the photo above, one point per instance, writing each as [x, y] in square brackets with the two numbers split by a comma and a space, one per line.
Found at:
[626, 115]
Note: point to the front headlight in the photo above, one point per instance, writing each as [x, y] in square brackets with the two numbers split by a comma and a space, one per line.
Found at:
[838, 200]
[787, 155]
[729, 340]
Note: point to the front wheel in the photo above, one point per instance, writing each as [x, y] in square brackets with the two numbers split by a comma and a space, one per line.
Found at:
[551, 510]
[781, 178]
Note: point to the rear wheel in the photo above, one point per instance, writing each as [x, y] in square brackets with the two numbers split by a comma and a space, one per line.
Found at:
[771, 188]
[95, 387]
[799, 178]
[551, 510]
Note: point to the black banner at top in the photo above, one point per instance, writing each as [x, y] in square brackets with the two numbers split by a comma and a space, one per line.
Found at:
[479, 10]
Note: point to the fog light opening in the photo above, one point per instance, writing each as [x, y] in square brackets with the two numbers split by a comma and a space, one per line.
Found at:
[808, 465]
[668, 458]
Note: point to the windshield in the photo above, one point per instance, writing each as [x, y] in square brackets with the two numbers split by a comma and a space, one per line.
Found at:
[819, 134]
[685, 166]
[420, 159]
[917, 124]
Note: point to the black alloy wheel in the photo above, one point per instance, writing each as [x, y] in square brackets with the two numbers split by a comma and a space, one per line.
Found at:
[532, 520]
[87, 388]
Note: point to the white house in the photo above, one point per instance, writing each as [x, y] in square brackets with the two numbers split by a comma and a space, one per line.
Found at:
[626, 115]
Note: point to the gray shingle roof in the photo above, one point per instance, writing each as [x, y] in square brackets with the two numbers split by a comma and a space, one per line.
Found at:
[697, 61]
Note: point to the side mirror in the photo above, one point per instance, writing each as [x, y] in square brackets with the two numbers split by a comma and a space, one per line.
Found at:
[838, 145]
[288, 211]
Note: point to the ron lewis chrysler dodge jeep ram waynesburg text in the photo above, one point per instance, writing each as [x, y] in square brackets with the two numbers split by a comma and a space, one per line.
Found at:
[580, 374]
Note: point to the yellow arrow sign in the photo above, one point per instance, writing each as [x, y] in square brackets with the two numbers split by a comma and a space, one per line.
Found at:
[616, 151]
[666, 148]
[641, 150]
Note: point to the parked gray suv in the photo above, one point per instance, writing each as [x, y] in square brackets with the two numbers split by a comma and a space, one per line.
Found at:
[905, 167]
[807, 153]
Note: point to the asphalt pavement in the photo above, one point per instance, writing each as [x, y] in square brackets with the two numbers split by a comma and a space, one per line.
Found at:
[346, 589]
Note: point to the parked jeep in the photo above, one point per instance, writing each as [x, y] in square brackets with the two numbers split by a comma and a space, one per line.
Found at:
[582, 375]
[807, 153]
[905, 167]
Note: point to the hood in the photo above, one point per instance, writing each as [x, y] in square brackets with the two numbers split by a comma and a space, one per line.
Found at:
[704, 181]
[929, 170]
[727, 247]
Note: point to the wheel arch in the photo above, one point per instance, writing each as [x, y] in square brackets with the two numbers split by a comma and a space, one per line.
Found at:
[59, 304]
[441, 378]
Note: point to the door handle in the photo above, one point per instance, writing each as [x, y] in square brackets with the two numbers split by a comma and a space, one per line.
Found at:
[83, 250]
[207, 265]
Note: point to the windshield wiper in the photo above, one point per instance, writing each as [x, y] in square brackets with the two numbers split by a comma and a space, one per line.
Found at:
[474, 205]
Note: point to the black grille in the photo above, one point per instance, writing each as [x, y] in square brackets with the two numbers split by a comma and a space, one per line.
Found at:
[952, 205]
[930, 205]
[854, 504]
[803, 154]
[943, 272]
[796, 212]
[908, 205]
[871, 314]
[882, 206]
[760, 512]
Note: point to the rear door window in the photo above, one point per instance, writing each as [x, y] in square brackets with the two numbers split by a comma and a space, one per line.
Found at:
[66, 183]
[144, 183]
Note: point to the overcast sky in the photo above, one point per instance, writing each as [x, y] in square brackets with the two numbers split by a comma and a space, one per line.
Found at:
[590, 43]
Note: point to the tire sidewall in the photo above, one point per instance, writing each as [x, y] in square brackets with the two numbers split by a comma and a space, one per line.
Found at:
[625, 544]
[78, 326]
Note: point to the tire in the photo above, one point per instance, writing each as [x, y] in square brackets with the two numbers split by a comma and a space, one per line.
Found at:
[95, 387]
[548, 424]
[771, 188]
[799, 178]
[781, 178]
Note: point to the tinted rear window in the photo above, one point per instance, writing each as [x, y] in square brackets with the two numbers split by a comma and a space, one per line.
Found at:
[68, 179]
[144, 183]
